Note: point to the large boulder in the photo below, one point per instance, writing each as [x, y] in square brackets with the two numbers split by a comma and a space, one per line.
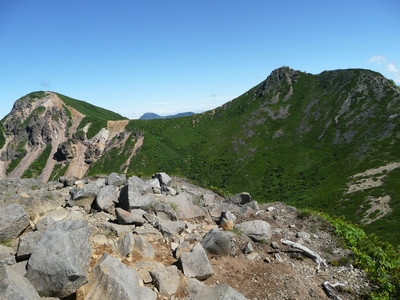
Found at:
[106, 198]
[200, 291]
[170, 228]
[185, 209]
[136, 194]
[7, 255]
[219, 242]
[239, 199]
[195, 264]
[257, 230]
[163, 178]
[27, 243]
[111, 279]
[84, 196]
[14, 286]
[13, 221]
[166, 280]
[126, 218]
[59, 264]
[116, 179]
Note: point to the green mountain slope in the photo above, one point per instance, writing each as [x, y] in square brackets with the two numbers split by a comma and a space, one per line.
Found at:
[295, 138]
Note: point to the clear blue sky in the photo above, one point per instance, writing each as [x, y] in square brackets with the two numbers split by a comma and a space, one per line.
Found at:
[173, 56]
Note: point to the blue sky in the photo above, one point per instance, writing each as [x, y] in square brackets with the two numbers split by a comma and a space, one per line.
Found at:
[173, 56]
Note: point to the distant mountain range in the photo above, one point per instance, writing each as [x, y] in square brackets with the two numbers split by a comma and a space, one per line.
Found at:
[328, 141]
[152, 116]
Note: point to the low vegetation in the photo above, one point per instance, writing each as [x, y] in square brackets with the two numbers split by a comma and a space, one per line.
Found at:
[36, 167]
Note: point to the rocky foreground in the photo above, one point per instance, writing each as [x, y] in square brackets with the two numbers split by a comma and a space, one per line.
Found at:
[118, 238]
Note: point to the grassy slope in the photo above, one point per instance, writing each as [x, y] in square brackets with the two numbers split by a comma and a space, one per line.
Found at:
[95, 115]
[234, 149]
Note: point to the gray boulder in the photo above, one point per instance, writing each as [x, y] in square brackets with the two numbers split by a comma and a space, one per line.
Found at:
[27, 243]
[195, 264]
[142, 246]
[185, 209]
[219, 242]
[163, 178]
[125, 244]
[165, 211]
[106, 199]
[200, 291]
[136, 194]
[170, 228]
[116, 179]
[166, 280]
[44, 223]
[239, 199]
[13, 221]
[83, 197]
[115, 229]
[126, 218]
[111, 279]
[59, 264]
[14, 286]
[7, 255]
[257, 230]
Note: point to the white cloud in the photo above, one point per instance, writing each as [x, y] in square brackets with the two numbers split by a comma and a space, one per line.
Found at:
[377, 59]
[391, 67]
[388, 67]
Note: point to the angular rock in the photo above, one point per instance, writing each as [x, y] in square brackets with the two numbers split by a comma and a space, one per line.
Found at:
[116, 179]
[166, 280]
[126, 218]
[151, 234]
[200, 291]
[27, 243]
[14, 286]
[67, 181]
[183, 247]
[170, 228]
[142, 246]
[125, 244]
[248, 248]
[13, 221]
[59, 264]
[257, 230]
[136, 194]
[111, 279]
[115, 229]
[195, 264]
[7, 255]
[166, 212]
[44, 223]
[163, 178]
[239, 199]
[185, 207]
[219, 242]
[106, 199]
[83, 197]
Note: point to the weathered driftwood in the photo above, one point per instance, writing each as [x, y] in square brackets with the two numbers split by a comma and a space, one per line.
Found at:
[327, 288]
[315, 256]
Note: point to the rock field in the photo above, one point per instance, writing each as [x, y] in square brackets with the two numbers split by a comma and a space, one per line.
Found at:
[164, 238]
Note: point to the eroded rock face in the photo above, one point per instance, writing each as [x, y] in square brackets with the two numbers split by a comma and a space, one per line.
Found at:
[59, 264]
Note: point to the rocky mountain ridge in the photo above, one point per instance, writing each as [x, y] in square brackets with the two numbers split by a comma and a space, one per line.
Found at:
[296, 137]
[164, 238]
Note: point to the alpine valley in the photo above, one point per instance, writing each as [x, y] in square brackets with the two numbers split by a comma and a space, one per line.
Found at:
[328, 142]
